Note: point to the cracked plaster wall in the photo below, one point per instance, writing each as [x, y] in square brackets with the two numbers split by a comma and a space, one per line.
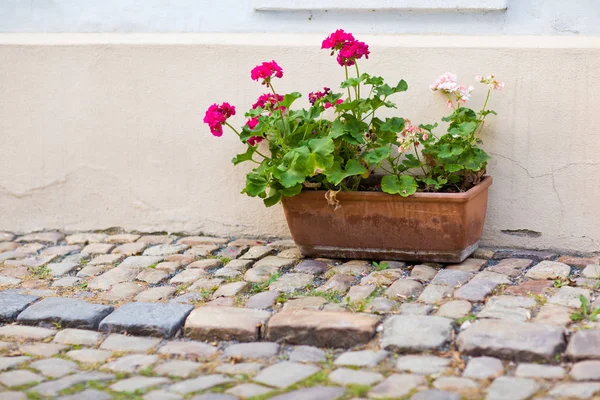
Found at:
[544, 17]
[99, 131]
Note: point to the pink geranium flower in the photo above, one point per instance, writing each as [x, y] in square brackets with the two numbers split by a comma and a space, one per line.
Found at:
[351, 52]
[329, 105]
[252, 122]
[268, 101]
[266, 71]
[254, 140]
[337, 39]
[349, 49]
[216, 116]
[314, 96]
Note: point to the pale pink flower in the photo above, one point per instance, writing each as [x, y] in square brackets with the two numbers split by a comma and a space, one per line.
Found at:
[463, 93]
[409, 136]
[445, 83]
[490, 81]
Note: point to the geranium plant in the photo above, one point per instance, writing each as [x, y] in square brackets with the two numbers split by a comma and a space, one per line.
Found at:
[339, 142]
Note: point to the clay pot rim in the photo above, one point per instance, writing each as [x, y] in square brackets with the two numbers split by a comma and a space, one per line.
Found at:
[417, 197]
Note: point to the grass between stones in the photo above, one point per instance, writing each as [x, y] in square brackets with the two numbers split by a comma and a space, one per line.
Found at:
[42, 272]
[585, 311]
[381, 266]
[470, 317]
[183, 287]
[257, 287]
[540, 298]
[361, 305]
[148, 371]
[22, 388]
[103, 387]
[360, 391]
[34, 396]
[224, 260]
[331, 297]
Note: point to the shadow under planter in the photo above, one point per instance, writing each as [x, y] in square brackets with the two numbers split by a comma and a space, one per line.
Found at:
[439, 227]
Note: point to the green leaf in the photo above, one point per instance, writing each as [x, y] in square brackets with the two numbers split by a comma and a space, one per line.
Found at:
[348, 105]
[374, 80]
[255, 112]
[431, 182]
[404, 185]
[337, 129]
[584, 304]
[428, 127]
[322, 146]
[377, 155]
[355, 127]
[408, 185]
[394, 124]
[247, 156]
[291, 177]
[454, 167]
[402, 86]
[274, 198]
[322, 150]
[463, 129]
[457, 150]
[411, 162]
[289, 98]
[488, 112]
[290, 192]
[309, 115]
[295, 167]
[336, 174]
[351, 82]
[475, 160]
[256, 184]
[386, 90]
[445, 151]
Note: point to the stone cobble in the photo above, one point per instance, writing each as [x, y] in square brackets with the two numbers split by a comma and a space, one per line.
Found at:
[94, 315]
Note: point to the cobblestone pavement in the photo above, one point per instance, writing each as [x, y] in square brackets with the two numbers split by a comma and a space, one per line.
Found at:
[130, 316]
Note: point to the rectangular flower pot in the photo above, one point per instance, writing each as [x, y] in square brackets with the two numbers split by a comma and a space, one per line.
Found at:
[440, 227]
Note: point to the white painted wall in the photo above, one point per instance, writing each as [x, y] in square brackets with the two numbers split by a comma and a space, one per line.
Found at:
[104, 130]
[547, 17]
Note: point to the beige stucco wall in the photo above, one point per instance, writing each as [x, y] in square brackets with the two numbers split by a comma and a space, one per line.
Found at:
[103, 131]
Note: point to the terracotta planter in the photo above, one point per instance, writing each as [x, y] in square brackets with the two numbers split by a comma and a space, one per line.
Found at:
[441, 227]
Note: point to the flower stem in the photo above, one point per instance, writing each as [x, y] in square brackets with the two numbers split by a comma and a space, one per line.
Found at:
[481, 116]
[237, 133]
[232, 128]
[347, 76]
[358, 76]
[280, 112]
[419, 158]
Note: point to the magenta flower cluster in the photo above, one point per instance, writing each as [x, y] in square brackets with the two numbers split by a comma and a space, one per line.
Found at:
[268, 101]
[349, 49]
[266, 71]
[314, 96]
[216, 116]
